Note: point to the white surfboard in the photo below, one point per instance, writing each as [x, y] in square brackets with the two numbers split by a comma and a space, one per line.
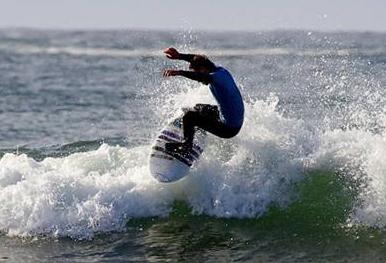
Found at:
[168, 166]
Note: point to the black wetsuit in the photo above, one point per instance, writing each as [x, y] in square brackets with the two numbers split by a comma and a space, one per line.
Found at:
[207, 117]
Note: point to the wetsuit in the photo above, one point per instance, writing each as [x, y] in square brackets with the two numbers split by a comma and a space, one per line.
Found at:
[224, 120]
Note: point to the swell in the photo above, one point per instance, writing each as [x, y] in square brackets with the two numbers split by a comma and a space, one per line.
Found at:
[245, 52]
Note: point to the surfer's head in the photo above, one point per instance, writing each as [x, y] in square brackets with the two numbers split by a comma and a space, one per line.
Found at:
[201, 63]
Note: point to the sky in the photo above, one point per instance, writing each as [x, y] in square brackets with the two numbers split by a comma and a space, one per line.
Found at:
[219, 15]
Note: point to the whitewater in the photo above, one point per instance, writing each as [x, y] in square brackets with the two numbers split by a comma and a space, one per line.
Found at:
[99, 191]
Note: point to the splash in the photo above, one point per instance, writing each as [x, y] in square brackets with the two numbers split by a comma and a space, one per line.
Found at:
[78, 195]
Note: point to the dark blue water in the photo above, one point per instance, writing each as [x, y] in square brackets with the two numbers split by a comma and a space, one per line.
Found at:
[303, 181]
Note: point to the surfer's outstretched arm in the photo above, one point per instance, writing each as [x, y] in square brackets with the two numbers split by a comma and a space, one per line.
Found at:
[200, 66]
[172, 53]
[197, 76]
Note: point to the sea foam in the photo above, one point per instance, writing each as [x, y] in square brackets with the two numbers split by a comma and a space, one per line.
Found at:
[93, 192]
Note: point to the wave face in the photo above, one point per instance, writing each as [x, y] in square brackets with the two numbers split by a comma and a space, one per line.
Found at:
[314, 120]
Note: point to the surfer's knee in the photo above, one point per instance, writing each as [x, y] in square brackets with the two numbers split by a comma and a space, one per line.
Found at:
[190, 115]
[199, 106]
[229, 132]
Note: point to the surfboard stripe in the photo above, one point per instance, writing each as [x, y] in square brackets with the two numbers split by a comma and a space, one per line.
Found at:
[172, 135]
[165, 138]
[195, 152]
[197, 148]
[180, 158]
[188, 157]
[192, 154]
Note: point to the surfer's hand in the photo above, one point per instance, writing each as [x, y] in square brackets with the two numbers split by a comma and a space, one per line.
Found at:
[171, 72]
[172, 53]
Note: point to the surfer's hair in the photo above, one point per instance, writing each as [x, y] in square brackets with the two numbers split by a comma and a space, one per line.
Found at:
[201, 61]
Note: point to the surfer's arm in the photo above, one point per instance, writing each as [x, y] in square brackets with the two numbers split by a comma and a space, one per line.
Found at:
[186, 57]
[172, 53]
[197, 76]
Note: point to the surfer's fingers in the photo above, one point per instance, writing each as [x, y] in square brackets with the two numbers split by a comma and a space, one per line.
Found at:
[167, 73]
[171, 56]
[167, 50]
[171, 50]
[171, 53]
[167, 53]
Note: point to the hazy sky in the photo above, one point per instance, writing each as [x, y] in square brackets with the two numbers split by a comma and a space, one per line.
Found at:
[196, 14]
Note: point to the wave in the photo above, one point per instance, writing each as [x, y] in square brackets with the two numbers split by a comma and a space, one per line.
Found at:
[111, 52]
[99, 190]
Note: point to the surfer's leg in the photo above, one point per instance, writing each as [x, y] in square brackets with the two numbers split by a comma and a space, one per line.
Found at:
[191, 119]
[202, 115]
[206, 117]
[210, 121]
[189, 123]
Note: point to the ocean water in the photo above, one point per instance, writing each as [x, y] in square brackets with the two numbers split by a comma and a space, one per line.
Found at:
[304, 181]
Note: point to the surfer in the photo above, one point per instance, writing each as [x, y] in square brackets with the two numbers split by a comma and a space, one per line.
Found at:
[224, 120]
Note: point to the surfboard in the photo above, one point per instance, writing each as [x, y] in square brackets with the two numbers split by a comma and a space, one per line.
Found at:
[167, 166]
